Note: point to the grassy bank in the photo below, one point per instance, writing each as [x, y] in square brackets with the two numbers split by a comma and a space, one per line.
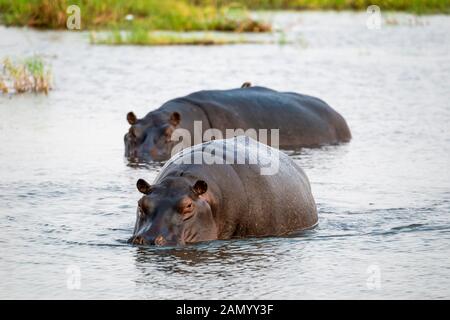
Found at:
[184, 15]
[413, 6]
[177, 15]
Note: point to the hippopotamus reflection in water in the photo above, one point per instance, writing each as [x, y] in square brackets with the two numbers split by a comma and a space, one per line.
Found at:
[303, 121]
[212, 200]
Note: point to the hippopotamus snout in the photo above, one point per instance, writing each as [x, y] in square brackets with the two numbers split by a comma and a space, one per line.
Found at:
[139, 240]
[142, 240]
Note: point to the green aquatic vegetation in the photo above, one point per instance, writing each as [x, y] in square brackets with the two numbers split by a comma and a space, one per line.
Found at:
[415, 6]
[411, 21]
[29, 75]
[282, 39]
[144, 37]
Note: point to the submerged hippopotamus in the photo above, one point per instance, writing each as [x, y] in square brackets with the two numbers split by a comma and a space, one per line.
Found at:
[303, 121]
[224, 199]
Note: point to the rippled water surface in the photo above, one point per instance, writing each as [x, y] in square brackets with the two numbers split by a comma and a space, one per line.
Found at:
[67, 196]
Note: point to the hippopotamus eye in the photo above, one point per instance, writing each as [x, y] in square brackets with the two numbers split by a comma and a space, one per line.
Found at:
[186, 208]
[168, 134]
[134, 132]
[141, 212]
[140, 209]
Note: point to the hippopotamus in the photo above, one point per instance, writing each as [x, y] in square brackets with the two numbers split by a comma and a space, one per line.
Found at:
[302, 120]
[218, 200]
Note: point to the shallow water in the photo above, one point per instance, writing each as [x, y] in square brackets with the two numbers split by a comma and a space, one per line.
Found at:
[68, 198]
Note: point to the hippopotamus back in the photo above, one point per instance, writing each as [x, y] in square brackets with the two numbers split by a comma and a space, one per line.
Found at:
[303, 120]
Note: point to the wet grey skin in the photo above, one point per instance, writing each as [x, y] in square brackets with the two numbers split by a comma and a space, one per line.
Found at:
[189, 203]
[302, 120]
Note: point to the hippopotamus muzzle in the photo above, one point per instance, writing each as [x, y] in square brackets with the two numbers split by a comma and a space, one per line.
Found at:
[142, 240]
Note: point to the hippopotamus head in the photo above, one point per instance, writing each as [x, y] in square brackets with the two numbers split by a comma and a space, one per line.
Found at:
[149, 139]
[173, 212]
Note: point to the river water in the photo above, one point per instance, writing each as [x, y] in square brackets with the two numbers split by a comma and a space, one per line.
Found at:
[68, 197]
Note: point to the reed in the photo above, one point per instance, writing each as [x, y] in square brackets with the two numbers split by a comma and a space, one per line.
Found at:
[29, 75]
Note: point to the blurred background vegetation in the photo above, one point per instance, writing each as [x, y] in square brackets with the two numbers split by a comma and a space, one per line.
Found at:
[162, 22]
[185, 15]
[416, 6]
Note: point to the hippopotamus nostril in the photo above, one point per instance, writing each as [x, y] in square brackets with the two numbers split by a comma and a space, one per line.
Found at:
[160, 241]
[138, 240]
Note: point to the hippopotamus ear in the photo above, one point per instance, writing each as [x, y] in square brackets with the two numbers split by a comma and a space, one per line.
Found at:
[175, 119]
[143, 186]
[131, 118]
[200, 187]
